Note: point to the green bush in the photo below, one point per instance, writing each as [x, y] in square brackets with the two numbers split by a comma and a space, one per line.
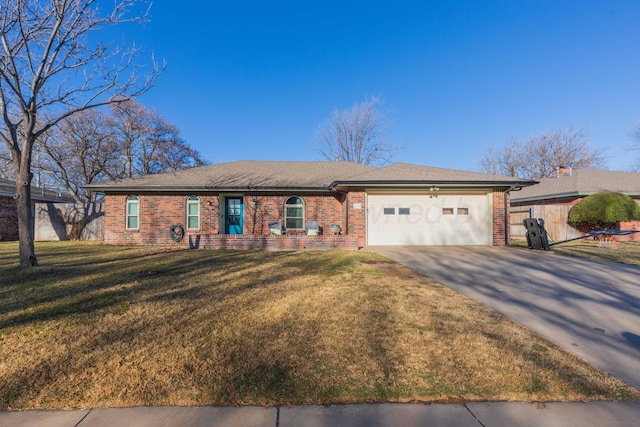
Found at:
[603, 210]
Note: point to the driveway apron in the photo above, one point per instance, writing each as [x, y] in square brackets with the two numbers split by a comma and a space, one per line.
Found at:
[590, 308]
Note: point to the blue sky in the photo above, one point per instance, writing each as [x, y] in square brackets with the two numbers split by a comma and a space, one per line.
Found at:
[254, 80]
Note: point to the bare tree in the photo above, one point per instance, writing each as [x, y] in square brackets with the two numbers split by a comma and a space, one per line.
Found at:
[93, 146]
[635, 136]
[6, 166]
[538, 156]
[358, 134]
[147, 143]
[77, 152]
[130, 141]
[72, 154]
[508, 160]
[51, 68]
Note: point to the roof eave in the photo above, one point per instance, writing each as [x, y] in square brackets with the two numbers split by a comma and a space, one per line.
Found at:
[440, 183]
[51, 200]
[42, 199]
[334, 185]
[198, 188]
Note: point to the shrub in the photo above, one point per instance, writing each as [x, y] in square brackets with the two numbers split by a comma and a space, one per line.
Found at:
[603, 210]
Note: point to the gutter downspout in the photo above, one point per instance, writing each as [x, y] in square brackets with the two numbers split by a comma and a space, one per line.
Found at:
[507, 226]
[346, 203]
[346, 216]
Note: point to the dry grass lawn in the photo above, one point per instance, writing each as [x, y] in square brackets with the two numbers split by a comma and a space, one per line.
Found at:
[625, 253]
[100, 326]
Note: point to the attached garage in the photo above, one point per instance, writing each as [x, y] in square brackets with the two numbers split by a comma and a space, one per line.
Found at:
[405, 219]
[408, 204]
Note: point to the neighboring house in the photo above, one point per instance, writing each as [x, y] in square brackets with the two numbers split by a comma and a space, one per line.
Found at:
[553, 197]
[236, 205]
[8, 210]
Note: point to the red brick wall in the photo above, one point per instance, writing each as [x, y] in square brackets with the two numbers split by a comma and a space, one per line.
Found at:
[157, 214]
[8, 219]
[357, 221]
[630, 225]
[500, 219]
[325, 209]
[269, 242]
[159, 211]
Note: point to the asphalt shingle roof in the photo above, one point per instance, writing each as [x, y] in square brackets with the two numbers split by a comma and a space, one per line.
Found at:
[411, 172]
[581, 182]
[251, 174]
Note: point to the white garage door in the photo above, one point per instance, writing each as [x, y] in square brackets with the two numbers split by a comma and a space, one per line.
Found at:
[421, 220]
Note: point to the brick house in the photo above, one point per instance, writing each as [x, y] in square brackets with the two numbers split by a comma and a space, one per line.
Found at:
[8, 210]
[245, 204]
[553, 197]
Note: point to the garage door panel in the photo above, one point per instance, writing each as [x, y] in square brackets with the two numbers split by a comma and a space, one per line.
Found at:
[421, 220]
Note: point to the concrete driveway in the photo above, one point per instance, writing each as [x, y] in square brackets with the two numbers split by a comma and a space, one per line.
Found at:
[590, 308]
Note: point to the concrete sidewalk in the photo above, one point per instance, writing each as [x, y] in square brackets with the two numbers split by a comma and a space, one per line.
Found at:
[487, 414]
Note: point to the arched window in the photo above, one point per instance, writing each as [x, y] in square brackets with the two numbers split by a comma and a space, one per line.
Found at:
[193, 213]
[133, 212]
[294, 213]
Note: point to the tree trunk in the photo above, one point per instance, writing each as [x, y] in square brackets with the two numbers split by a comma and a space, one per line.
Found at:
[25, 217]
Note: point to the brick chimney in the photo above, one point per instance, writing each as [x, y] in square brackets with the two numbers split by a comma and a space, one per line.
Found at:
[561, 171]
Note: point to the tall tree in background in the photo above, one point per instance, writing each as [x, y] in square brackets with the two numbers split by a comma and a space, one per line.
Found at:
[77, 151]
[72, 154]
[127, 142]
[6, 166]
[94, 146]
[538, 156]
[51, 68]
[146, 143]
[359, 134]
[635, 135]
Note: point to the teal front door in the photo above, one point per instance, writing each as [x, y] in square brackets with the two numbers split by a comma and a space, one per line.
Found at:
[234, 211]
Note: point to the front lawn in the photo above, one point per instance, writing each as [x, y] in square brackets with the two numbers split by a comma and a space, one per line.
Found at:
[100, 326]
[624, 253]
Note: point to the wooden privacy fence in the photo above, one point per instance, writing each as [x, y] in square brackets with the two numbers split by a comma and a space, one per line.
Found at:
[555, 221]
[53, 221]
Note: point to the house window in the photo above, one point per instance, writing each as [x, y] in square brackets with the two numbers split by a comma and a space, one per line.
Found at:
[389, 211]
[447, 211]
[463, 211]
[193, 213]
[133, 212]
[294, 213]
[404, 211]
